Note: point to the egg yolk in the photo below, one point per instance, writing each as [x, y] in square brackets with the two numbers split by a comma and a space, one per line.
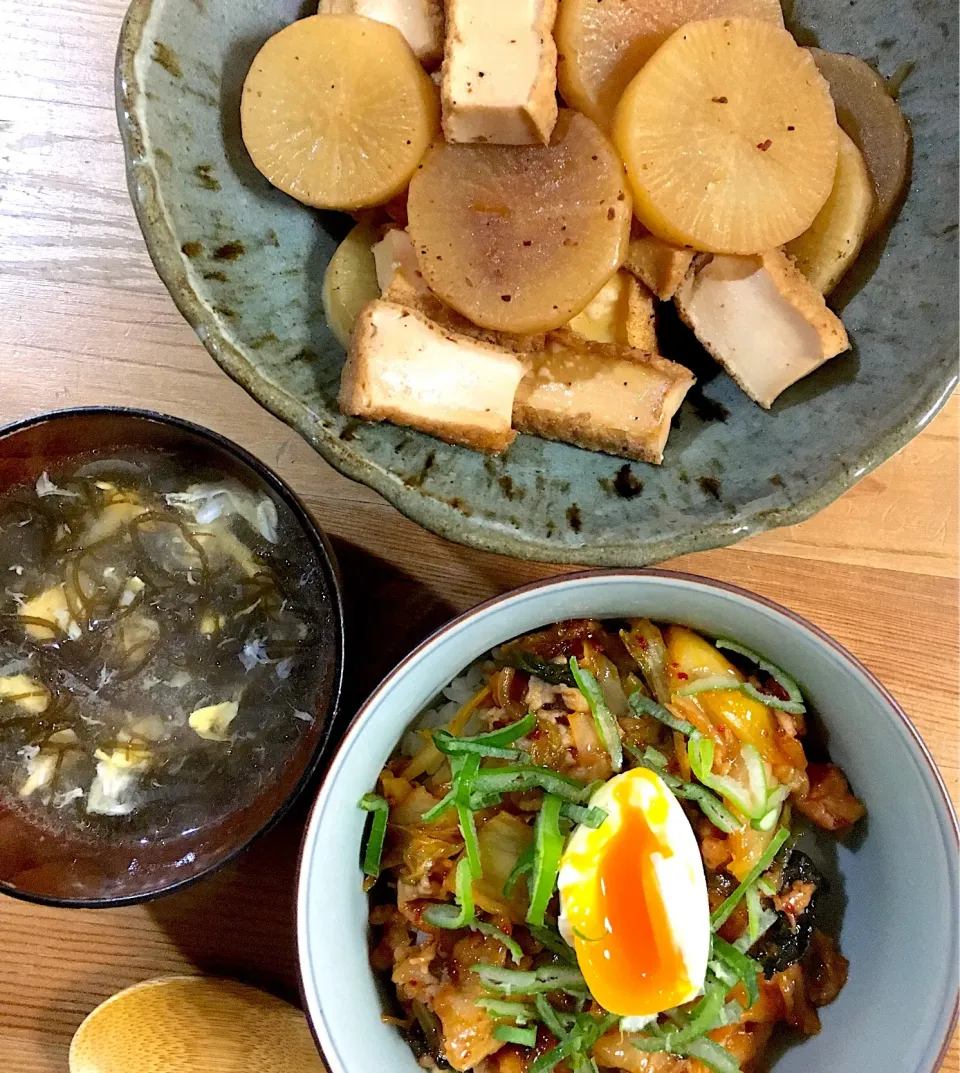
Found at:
[624, 940]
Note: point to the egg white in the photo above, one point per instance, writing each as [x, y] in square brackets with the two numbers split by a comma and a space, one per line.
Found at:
[680, 877]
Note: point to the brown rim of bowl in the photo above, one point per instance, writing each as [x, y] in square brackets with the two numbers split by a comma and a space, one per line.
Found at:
[699, 582]
[144, 187]
[327, 559]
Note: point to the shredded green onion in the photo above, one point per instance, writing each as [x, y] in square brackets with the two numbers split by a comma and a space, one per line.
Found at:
[504, 780]
[453, 746]
[493, 739]
[552, 940]
[689, 1038]
[525, 1037]
[730, 1014]
[642, 705]
[465, 769]
[714, 1057]
[759, 801]
[523, 867]
[549, 1016]
[723, 972]
[654, 758]
[745, 968]
[465, 790]
[711, 684]
[548, 840]
[468, 829]
[373, 852]
[501, 936]
[534, 982]
[793, 704]
[445, 803]
[764, 919]
[754, 909]
[447, 916]
[711, 805]
[576, 1043]
[730, 685]
[589, 817]
[703, 1018]
[771, 701]
[607, 726]
[722, 913]
[502, 1009]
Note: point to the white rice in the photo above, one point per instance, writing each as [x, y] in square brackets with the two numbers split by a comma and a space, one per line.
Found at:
[444, 707]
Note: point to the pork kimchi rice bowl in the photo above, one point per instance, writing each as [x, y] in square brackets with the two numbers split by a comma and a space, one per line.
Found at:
[587, 856]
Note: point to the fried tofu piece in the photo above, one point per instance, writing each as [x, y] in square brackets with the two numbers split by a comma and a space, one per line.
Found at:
[499, 80]
[420, 21]
[762, 320]
[658, 265]
[640, 330]
[604, 320]
[404, 368]
[601, 396]
[621, 312]
[396, 262]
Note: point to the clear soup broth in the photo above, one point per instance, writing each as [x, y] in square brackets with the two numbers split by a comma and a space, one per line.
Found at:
[156, 625]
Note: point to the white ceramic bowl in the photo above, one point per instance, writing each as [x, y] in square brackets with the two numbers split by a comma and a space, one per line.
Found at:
[900, 927]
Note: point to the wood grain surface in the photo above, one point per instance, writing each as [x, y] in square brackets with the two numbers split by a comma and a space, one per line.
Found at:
[84, 319]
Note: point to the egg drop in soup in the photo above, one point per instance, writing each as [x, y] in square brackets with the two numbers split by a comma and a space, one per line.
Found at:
[155, 624]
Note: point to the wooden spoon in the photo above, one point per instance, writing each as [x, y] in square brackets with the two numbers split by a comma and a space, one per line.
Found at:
[194, 1024]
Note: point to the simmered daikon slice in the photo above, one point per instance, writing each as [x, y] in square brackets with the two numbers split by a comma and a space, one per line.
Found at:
[337, 111]
[729, 136]
[520, 238]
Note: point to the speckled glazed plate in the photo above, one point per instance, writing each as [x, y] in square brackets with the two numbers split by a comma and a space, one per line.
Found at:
[245, 265]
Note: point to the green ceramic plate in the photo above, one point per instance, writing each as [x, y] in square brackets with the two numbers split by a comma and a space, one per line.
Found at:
[245, 265]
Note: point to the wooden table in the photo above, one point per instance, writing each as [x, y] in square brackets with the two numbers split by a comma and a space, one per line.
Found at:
[84, 319]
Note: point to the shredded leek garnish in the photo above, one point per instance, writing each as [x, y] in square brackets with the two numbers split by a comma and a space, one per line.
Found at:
[503, 780]
[373, 853]
[525, 1037]
[534, 982]
[523, 867]
[501, 936]
[722, 913]
[745, 968]
[553, 941]
[502, 1009]
[589, 817]
[548, 840]
[710, 805]
[641, 705]
[575, 1043]
[448, 916]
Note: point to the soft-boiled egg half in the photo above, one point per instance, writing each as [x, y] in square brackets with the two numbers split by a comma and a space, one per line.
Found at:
[633, 899]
